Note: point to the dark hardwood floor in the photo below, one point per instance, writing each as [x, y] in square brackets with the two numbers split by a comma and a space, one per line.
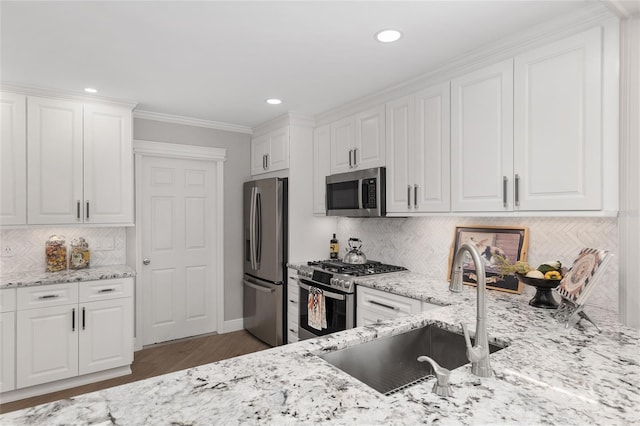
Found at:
[160, 359]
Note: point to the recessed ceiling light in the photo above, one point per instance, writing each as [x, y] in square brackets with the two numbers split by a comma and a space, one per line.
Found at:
[273, 101]
[388, 36]
[90, 90]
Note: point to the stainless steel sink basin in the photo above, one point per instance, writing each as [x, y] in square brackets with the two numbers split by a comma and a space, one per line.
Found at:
[390, 364]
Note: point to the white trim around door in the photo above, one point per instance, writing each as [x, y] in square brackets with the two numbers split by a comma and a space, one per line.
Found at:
[142, 149]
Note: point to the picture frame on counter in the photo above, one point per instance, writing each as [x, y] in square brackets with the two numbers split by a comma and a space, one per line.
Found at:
[510, 242]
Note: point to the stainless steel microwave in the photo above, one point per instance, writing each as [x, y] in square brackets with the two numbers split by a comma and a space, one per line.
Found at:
[360, 193]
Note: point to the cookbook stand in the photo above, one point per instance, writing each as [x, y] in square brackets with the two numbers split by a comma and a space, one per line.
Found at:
[578, 284]
[571, 314]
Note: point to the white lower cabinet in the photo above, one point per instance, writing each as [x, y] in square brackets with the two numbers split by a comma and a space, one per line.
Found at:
[292, 306]
[7, 339]
[374, 306]
[66, 330]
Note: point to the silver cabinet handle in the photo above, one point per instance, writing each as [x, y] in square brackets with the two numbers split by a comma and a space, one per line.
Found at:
[266, 161]
[78, 210]
[395, 308]
[516, 199]
[146, 261]
[350, 164]
[355, 159]
[106, 290]
[408, 196]
[504, 191]
[415, 196]
[73, 319]
[87, 210]
[83, 317]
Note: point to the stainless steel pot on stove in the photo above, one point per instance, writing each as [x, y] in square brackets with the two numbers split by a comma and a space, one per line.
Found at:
[354, 254]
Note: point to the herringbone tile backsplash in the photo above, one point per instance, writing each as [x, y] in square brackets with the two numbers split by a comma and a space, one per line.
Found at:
[423, 244]
[107, 246]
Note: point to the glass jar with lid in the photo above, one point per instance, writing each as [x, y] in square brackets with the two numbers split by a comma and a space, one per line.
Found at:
[80, 256]
[56, 253]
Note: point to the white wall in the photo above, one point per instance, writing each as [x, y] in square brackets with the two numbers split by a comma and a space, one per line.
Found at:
[236, 171]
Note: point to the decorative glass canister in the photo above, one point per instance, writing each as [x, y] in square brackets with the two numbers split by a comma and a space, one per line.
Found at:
[80, 256]
[56, 252]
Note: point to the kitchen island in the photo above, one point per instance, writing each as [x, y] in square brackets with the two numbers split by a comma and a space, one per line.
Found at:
[547, 374]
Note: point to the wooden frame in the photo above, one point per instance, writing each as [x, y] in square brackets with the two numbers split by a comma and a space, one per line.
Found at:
[511, 242]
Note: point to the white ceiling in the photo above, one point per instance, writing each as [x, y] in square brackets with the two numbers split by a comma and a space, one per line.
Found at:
[219, 61]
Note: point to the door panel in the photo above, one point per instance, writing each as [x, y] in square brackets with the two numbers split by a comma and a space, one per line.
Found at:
[178, 237]
[13, 159]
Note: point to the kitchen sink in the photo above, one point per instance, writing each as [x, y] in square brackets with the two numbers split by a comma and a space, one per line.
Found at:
[390, 364]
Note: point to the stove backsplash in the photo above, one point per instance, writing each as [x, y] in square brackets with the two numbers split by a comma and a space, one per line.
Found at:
[422, 244]
[107, 246]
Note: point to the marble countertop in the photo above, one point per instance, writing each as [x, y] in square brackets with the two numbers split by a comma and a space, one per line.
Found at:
[27, 279]
[547, 374]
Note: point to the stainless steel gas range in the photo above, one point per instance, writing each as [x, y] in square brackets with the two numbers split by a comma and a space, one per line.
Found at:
[335, 281]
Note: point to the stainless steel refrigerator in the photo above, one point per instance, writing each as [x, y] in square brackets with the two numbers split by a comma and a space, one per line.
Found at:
[265, 258]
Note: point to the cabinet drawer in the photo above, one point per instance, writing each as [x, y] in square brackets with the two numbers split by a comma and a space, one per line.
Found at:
[7, 299]
[292, 329]
[47, 295]
[106, 289]
[389, 305]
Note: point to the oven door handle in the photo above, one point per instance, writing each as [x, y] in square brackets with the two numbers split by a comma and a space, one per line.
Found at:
[329, 294]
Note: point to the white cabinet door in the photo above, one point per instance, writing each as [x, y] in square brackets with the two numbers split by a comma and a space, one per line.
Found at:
[106, 335]
[278, 155]
[321, 167]
[482, 139]
[13, 159]
[343, 134]
[400, 117]
[374, 305]
[558, 141]
[54, 157]
[431, 150]
[108, 164]
[7, 351]
[292, 306]
[47, 345]
[259, 152]
[369, 147]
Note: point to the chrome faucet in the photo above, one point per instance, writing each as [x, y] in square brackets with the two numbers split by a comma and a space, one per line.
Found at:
[479, 353]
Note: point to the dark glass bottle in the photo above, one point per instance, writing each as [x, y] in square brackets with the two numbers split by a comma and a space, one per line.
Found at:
[333, 248]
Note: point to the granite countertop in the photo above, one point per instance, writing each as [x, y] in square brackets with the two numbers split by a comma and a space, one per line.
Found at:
[27, 279]
[547, 374]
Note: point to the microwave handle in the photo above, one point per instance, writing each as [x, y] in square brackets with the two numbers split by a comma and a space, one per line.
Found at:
[360, 185]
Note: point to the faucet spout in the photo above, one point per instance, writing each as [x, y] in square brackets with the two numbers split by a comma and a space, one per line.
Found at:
[478, 354]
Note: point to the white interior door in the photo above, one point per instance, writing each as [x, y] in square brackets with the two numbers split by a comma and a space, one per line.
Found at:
[178, 238]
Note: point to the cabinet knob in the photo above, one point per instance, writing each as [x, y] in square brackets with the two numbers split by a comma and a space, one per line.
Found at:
[146, 261]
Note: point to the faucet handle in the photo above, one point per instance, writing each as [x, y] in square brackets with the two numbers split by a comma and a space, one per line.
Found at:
[467, 339]
[442, 386]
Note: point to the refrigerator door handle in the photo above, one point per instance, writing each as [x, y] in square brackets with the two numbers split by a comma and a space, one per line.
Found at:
[252, 229]
[259, 287]
[258, 229]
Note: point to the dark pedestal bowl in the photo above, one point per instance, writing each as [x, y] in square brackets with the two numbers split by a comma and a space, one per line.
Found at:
[544, 296]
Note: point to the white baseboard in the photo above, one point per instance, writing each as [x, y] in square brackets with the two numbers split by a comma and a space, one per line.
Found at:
[64, 384]
[232, 325]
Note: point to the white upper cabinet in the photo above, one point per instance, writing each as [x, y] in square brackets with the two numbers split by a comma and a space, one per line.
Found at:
[358, 141]
[13, 159]
[418, 146]
[108, 164]
[270, 152]
[343, 140]
[54, 153]
[321, 167]
[482, 139]
[80, 163]
[557, 132]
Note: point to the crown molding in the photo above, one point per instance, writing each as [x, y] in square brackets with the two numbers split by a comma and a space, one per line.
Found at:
[286, 119]
[60, 94]
[592, 14]
[624, 9]
[172, 150]
[176, 119]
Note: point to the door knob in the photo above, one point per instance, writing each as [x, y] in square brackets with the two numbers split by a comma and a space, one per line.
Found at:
[146, 261]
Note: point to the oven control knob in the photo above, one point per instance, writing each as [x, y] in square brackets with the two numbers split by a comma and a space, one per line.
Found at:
[341, 283]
